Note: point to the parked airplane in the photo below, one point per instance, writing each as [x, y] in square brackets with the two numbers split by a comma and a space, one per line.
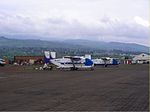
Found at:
[2, 62]
[69, 62]
[105, 61]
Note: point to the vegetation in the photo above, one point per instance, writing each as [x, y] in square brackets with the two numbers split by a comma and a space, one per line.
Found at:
[15, 47]
[9, 53]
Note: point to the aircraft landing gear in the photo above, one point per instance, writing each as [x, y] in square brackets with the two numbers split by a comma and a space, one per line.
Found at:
[92, 68]
[73, 68]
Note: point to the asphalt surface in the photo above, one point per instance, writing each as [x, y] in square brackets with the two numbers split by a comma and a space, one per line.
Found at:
[123, 88]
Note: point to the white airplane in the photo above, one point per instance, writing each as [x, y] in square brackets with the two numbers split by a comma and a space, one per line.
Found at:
[69, 62]
[2, 62]
[105, 61]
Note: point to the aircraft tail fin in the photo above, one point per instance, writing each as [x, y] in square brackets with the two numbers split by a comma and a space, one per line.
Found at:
[48, 56]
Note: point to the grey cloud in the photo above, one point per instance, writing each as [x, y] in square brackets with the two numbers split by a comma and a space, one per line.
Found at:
[124, 29]
[59, 27]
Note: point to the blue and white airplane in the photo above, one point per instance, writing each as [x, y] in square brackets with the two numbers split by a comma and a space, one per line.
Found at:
[104, 61]
[69, 62]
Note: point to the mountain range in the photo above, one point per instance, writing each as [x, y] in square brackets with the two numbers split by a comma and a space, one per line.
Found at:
[72, 43]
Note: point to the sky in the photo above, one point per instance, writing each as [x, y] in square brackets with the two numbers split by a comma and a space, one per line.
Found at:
[98, 20]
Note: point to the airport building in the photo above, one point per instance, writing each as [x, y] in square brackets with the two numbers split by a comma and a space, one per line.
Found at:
[24, 60]
[127, 61]
[141, 59]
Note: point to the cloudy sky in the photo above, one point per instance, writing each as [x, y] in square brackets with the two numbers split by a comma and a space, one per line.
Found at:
[103, 20]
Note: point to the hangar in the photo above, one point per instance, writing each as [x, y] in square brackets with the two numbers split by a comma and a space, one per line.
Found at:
[142, 58]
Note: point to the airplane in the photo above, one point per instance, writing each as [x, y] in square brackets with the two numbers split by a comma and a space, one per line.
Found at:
[2, 62]
[105, 61]
[69, 62]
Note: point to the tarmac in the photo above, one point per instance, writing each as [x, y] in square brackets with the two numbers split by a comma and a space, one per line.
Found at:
[122, 88]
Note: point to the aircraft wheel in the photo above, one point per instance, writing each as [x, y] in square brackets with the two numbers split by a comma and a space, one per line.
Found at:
[2, 65]
[71, 68]
[92, 69]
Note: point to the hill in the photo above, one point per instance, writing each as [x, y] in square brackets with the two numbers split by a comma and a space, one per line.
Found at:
[129, 47]
[77, 43]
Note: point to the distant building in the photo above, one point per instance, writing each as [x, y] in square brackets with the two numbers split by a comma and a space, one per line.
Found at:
[141, 59]
[127, 61]
[23, 60]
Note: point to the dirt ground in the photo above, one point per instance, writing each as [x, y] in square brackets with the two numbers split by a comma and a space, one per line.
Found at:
[123, 88]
